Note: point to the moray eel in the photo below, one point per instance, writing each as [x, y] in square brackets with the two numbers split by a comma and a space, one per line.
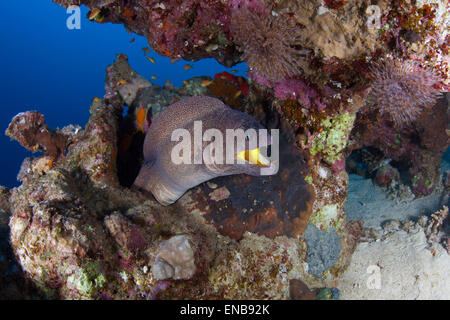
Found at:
[168, 181]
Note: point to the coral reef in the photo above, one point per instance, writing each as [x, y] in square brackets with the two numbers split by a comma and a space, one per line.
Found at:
[30, 130]
[13, 283]
[192, 29]
[318, 73]
[268, 43]
[323, 32]
[296, 89]
[435, 224]
[78, 233]
[401, 89]
[419, 149]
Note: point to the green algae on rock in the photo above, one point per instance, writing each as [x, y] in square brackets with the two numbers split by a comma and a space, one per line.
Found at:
[333, 138]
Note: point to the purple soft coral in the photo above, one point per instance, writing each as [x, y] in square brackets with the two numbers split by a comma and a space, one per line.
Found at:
[298, 90]
[401, 90]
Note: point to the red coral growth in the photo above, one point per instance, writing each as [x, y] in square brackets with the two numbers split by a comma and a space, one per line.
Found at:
[269, 43]
[401, 90]
[176, 28]
[192, 29]
[335, 4]
[30, 130]
[239, 81]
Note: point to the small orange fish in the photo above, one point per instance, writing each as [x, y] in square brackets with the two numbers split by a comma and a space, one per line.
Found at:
[140, 118]
[132, 40]
[154, 77]
[150, 59]
[188, 66]
[185, 82]
[237, 94]
[147, 50]
[94, 14]
[173, 60]
[121, 82]
[50, 163]
[206, 83]
[234, 71]
[97, 99]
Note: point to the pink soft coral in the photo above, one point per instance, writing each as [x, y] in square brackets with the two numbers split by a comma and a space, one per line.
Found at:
[402, 90]
[296, 89]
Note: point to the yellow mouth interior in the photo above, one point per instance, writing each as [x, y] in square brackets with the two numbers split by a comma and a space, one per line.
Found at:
[254, 157]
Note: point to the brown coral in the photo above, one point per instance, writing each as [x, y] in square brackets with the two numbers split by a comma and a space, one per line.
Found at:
[30, 130]
[435, 224]
[298, 290]
[270, 44]
[271, 206]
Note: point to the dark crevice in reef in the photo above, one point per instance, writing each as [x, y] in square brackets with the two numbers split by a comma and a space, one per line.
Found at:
[130, 145]
[368, 161]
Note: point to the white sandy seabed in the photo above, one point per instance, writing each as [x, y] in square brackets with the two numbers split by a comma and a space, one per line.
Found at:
[399, 264]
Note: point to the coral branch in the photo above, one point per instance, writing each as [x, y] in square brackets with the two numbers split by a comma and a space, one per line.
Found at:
[30, 130]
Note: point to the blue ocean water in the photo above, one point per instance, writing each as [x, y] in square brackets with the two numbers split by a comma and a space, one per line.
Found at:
[57, 71]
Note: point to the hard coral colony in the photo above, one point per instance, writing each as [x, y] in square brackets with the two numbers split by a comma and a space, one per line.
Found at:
[330, 83]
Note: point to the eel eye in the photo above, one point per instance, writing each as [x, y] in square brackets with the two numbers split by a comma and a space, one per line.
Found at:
[267, 151]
